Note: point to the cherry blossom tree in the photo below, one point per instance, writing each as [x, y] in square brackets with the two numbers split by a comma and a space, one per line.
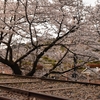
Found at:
[38, 26]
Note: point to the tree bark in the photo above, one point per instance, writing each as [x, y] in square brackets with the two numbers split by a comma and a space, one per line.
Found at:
[14, 66]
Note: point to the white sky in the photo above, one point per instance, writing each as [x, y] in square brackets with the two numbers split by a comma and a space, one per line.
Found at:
[89, 2]
[86, 2]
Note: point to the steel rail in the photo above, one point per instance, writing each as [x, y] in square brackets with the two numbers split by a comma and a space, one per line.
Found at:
[4, 98]
[79, 82]
[55, 80]
[32, 94]
[18, 82]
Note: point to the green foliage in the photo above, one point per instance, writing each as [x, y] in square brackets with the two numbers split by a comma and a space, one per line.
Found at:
[80, 61]
[62, 49]
[49, 60]
[26, 63]
[81, 69]
[94, 62]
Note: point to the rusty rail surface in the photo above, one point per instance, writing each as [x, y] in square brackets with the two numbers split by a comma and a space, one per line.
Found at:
[79, 82]
[31, 94]
[4, 98]
[49, 79]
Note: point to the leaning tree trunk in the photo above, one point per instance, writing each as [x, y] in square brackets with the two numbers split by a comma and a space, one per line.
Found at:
[31, 73]
[14, 66]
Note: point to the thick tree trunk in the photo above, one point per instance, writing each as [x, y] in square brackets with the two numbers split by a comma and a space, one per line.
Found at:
[38, 67]
[14, 66]
[31, 73]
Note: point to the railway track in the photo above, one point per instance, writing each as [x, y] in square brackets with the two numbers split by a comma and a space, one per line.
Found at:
[41, 89]
[4, 98]
[19, 94]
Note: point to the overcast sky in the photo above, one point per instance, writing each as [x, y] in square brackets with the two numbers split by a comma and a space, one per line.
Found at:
[88, 2]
